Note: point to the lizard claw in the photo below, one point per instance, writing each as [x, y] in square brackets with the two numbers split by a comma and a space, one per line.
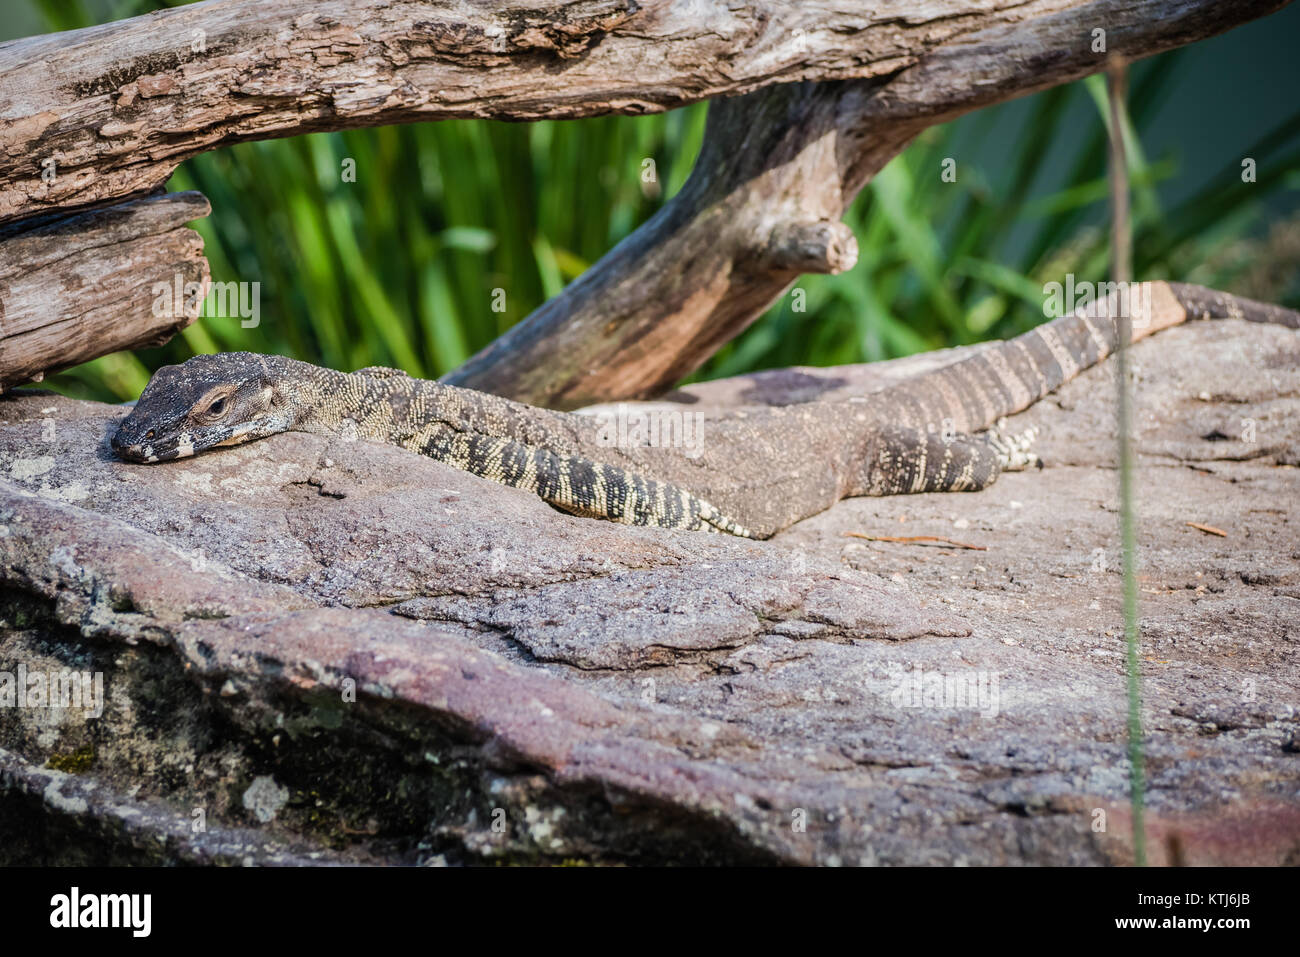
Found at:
[1014, 449]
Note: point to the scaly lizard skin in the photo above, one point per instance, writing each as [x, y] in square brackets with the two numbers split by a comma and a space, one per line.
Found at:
[759, 470]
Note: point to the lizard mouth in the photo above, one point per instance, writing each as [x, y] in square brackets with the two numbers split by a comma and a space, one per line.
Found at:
[131, 446]
[149, 452]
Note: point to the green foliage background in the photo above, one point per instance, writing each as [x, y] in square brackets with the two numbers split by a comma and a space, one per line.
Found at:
[398, 268]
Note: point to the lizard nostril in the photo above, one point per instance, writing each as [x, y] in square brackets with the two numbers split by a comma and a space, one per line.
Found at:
[149, 434]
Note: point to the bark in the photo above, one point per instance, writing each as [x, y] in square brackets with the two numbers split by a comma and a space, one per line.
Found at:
[78, 286]
[116, 107]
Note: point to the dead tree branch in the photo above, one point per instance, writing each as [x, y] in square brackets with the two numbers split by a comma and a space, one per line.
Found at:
[76, 287]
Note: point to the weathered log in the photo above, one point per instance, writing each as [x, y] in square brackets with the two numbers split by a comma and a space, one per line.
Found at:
[111, 110]
[703, 268]
[77, 286]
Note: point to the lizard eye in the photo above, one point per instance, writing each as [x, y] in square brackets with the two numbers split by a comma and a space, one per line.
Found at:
[217, 407]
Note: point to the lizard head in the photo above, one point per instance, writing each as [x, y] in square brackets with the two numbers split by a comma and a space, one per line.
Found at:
[204, 402]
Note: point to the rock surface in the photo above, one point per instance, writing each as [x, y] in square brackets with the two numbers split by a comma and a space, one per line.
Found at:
[318, 651]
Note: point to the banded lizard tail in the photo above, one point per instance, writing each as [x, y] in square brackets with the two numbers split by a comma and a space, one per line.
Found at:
[758, 472]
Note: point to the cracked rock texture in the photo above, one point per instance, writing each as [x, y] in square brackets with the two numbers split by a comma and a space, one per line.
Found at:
[319, 651]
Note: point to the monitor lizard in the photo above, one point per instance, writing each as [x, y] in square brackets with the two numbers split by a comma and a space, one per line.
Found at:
[759, 471]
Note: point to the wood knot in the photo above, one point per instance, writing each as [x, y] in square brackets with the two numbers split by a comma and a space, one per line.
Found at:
[817, 247]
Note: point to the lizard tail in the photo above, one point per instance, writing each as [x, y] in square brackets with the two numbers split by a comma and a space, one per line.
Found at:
[712, 519]
[1197, 302]
[1001, 379]
[574, 484]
